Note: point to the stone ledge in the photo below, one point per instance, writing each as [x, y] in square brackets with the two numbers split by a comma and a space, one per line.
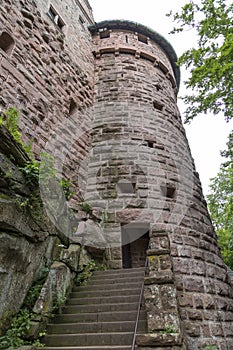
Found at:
[160, 278]
[10, 147]
[159, 339]
[158, 251]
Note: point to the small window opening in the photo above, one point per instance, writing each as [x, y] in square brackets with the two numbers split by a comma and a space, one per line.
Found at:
[126, 39]
[53, 14]
[81, 20]
[73, 107]
[142, 39]
[168, 191]
[125, 186]
[6, 43]
[158, 105]
[150, 144]
[158, 87]
[60, 23]
[105, 34]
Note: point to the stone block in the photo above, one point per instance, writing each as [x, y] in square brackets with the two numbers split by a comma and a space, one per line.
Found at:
[158, 339]
[55, 289]
[90, 234]
[70, 257]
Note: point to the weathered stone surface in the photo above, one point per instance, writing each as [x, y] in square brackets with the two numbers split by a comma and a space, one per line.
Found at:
[19, 261]
[12, 148]
[71, 256]
[90, 234]
[55, 288]
[158, 339]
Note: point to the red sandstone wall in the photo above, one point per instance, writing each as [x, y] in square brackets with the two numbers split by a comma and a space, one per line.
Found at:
[138, 137]
[49, 77]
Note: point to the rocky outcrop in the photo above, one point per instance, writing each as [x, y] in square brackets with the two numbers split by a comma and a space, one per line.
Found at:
[31, 248]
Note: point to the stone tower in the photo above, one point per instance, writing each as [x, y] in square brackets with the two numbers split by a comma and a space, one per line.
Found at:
[111, 120]
[142, 175]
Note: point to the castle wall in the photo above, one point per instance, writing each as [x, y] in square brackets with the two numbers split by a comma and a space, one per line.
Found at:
[47, 74]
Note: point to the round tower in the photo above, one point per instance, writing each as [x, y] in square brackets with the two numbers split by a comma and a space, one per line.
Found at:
[143, 181]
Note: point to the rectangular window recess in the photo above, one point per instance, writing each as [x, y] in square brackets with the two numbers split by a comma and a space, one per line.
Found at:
[73, 107]
[125, 186]
[158, 105]
[55, 17]
[60, 23]
[81, 20]
[52, 13]
[104, 34]
[150, 144]
[142, 39]
[168, 191]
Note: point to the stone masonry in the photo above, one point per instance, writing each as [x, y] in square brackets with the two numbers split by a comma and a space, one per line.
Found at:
[102, 99]
[138, 140]
[48, 75]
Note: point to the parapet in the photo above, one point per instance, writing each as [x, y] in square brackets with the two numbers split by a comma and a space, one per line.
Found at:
[144, 36]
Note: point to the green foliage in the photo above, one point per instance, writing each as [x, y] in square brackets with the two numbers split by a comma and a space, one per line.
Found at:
[83, 277]
[211, 347]
[210, 61]
[168, 330]
[86, 207]
[20, 326]
[49, 176]
[10, 119]
[220, 203]
[31, 171]
[17, 334]
[66, 185]
[57, 307]
[19, 331]
[32, 295]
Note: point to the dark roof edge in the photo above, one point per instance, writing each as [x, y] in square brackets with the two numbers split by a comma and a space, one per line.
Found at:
[140, 28]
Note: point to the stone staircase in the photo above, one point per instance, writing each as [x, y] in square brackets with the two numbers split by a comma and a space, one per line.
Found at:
[100, 315]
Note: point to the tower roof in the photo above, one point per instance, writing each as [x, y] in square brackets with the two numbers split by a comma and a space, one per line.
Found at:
[140, 28]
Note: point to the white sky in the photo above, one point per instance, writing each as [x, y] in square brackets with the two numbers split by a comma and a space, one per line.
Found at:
[207, 134]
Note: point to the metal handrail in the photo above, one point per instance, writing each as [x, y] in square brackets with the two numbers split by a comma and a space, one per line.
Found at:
[139, 307]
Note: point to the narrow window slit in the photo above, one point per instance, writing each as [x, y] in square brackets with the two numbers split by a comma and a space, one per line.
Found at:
[7, 43]
[73, 107]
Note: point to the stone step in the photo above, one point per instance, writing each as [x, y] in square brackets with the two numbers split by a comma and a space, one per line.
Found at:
[120, 271]
[104, 292]
[99, 317]
[126, 280]
[72, 309]
[106, 287]
[94, 327]
[112, 274]
[104, 300]
[92, 339]
[103, 347]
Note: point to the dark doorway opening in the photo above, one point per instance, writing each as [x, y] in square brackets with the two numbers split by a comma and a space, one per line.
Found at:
[135, 240]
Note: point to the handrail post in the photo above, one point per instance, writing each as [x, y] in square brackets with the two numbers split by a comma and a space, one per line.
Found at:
[139, 307]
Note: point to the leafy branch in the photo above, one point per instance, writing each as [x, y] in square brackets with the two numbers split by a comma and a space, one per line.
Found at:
[210, 62]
